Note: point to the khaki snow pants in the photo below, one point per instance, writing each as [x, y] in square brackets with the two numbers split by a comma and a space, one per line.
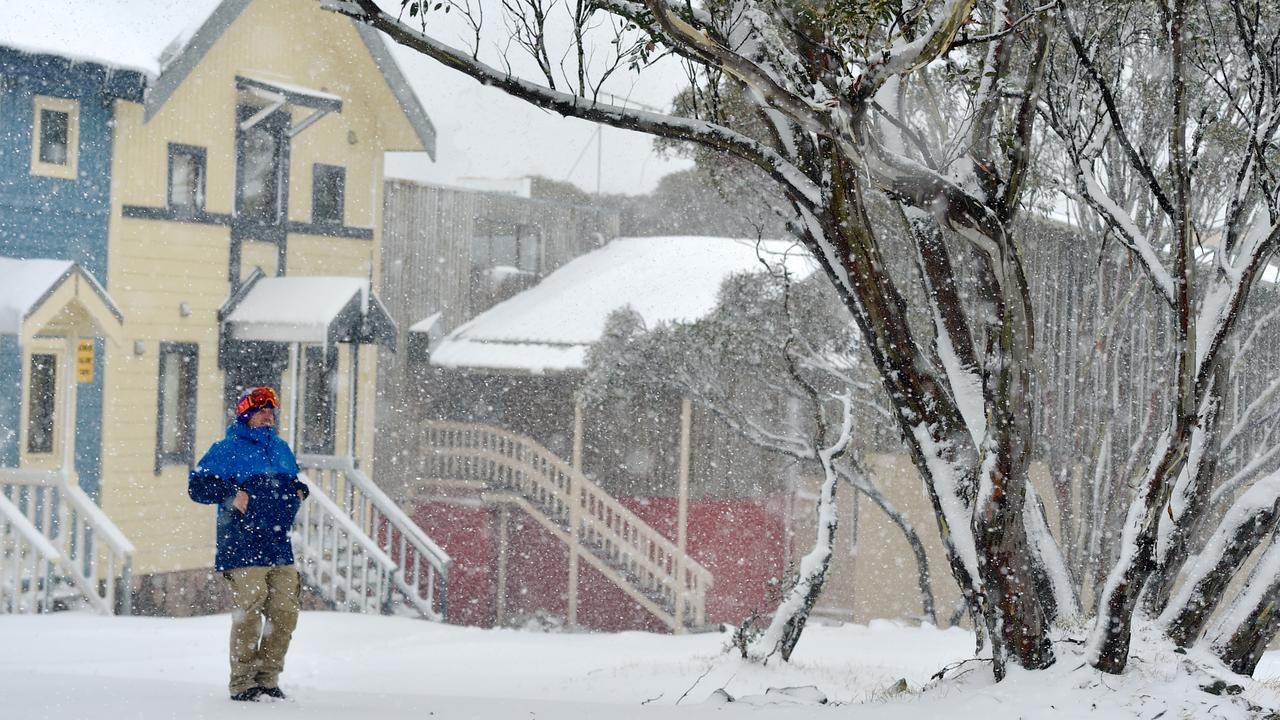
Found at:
[257, 652]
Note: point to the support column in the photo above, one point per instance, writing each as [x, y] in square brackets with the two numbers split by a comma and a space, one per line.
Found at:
[353, 398]
[575, 513]
[682, 509]
[500, 599]
[294, 392]
[68, 407]
[577, 434]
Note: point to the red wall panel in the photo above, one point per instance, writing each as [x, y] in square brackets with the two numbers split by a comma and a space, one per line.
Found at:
[740, 541]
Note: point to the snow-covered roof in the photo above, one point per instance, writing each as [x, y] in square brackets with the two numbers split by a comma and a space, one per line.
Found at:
[165, 40]
[26, 283]
[114, 33]
[308, 309]
[664, 279]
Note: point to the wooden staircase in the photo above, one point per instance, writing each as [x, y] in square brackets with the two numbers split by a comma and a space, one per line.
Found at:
[58, 548]
[359, 551]
[513, 469]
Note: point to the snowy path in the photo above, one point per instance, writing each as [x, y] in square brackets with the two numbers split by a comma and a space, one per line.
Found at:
[70, 666]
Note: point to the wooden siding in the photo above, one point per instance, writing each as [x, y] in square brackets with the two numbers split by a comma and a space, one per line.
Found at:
[170, 277]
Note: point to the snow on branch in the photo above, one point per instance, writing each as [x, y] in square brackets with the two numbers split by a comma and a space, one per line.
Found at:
[799, 187]
[1127, 230]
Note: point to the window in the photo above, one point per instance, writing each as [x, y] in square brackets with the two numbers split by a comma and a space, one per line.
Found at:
[54, 128]
[327, 190]
[504, 245]
[261, 153]
[55, 137]
[42, 399]
[186, 179]
[319, 399]
[176, 415]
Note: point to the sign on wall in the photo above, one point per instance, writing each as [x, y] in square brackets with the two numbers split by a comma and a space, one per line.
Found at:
[84, 361]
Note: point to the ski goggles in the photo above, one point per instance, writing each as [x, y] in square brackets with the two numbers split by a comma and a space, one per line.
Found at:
[256, 399]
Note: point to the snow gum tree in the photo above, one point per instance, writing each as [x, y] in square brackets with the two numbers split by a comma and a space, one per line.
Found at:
[935, 107]
[770, 348]
[1167, 114]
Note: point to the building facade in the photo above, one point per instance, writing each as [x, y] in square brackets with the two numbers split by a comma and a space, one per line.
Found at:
[231, 203]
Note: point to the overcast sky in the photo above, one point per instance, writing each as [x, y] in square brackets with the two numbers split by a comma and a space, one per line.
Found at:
[484, 132]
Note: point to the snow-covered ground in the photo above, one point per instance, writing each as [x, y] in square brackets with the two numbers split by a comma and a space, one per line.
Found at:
[68, 666]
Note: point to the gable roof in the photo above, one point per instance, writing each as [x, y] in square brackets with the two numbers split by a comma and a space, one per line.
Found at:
[550, 326]
[28, 284]
[165, 40]
[184, 61]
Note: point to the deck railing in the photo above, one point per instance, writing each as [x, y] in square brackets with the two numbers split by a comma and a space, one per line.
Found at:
[338, 559]
[90, 551]
[421, 566]
[645, 563]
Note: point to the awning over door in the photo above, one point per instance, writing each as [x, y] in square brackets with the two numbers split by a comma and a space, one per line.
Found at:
[54, 298]
[312, 309]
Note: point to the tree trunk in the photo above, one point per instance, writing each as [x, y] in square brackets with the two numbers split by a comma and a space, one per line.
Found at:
[1185, 512]
[793, 612]
[1108, 646]
[1254, 618]
[1018, 613]
[1250, 519]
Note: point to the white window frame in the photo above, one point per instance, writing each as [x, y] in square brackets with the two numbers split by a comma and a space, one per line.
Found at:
[53, 458]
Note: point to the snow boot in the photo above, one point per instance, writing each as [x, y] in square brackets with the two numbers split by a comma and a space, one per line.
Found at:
[250, 695]
[272, 692]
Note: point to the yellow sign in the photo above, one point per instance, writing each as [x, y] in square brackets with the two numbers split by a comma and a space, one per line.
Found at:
[84, 361]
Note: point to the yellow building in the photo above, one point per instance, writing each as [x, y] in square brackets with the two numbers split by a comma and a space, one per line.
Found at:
[244, 240]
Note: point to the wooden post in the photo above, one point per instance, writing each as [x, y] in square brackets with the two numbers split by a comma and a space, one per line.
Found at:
[575, 508]
[68, 407]
[577, 434]
[682, 508]
[294, 391]
[353, 369]
[500, 599]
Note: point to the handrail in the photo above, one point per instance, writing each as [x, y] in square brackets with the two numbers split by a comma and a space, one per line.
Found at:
[44, 553]
[103, 528]
[422, 571]
[319, 531]
[28, 531]
[31, 478]
[390, 510]
[72, 529]
[555, 486]
[331, 508]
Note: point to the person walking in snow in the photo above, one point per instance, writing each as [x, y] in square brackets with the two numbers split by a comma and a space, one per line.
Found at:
[252, 476]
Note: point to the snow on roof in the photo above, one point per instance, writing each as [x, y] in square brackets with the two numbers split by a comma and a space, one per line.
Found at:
[121, 34]
[23, 283]
[665, 279]
[309, 309]
[295, 309]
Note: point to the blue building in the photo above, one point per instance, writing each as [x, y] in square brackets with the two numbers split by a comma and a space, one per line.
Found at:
[56, 118]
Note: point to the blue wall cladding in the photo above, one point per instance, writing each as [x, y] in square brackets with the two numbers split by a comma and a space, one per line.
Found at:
[53, 217]
[10, 399]
[45, 217]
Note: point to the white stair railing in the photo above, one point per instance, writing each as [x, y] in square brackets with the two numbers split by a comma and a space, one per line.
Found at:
[92, 553]
[338, 559]
[643, 559]
[26, 561]
[421, 566]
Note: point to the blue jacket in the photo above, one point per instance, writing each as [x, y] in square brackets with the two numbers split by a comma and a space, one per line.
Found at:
[257, 461]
